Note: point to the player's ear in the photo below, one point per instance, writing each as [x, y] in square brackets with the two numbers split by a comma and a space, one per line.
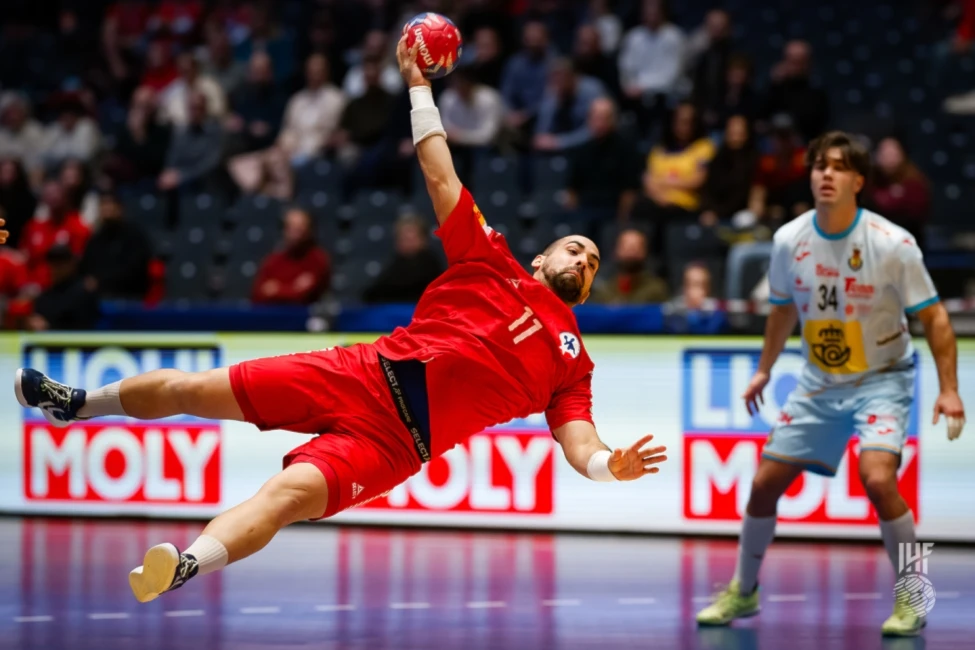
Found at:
[537, 262]
[861, 181]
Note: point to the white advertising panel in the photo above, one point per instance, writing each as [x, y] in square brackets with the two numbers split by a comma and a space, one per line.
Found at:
[686, 391]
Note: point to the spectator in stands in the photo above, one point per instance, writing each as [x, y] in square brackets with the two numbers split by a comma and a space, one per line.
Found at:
[712, 39]
[375, 51]
[414, 266]
[312, 114]
[695, 310]
[195, 151]
[142, 142]
[740, 96]
[472, 115]
[66, 304]
[21, 137]
[523, 83]
[792, 92]
[487, 65]
[365, 116]
[730, 174]
[220, 64]
[160, 68]
[709, 68]
[563, 113]
[59, 225]
[651, 63]
[600, 15]
[74, 135]
[899, 190]
[115, 264]
[123, 39]
[472, 112]
[633, 284]
[258, 106]
[266, 35]
[174, 100]
[590, 60]
[604, 173]
[299, 272]
[676, 171]
[780, 190]
[13, 280]
[78, 190]
[17, 202]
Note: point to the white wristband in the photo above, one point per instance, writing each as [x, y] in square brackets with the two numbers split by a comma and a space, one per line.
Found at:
[598, 468]
[425, 117]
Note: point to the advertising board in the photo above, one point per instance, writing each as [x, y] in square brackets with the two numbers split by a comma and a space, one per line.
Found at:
[684, 391]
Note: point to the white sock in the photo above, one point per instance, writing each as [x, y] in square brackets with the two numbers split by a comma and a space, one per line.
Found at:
[103, 401]
[210, 554]
[896, 532]
[756, 535]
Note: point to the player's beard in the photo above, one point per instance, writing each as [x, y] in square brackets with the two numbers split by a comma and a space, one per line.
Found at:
[566, 284]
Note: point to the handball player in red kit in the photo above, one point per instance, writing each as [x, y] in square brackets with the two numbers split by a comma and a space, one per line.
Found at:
[488, 343]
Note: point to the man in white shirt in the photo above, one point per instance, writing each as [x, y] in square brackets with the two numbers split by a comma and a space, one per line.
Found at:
[651, 62]
[847, 276]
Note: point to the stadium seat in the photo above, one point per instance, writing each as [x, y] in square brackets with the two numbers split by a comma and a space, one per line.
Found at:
[747, 265]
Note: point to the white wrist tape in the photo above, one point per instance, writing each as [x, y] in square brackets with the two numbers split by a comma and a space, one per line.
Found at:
[955, 425]
[425, 116]
[598, 468]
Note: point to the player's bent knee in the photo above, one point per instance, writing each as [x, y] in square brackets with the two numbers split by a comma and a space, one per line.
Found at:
[298, 493]
[768, 486]
[880, 485]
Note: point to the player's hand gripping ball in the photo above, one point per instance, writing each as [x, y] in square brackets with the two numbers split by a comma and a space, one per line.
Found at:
[439, 42]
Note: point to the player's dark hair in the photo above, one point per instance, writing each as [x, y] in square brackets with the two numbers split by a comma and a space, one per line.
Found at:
[854, 152]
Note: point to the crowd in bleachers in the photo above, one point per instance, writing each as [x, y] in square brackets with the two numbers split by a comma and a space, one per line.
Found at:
[255, 150]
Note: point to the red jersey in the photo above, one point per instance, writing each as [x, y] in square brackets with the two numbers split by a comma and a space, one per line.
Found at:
[40, 235]
[499, 345]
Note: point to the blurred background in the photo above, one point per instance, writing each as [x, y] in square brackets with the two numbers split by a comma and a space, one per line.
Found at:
[192, 183]
[230, 164]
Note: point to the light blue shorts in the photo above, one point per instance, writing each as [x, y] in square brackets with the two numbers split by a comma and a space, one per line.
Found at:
[815, 426]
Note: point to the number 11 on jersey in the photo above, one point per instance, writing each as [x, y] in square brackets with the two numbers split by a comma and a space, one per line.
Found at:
[535, 326]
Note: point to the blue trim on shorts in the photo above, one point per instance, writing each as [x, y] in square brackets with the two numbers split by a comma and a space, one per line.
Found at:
[887, 449]
[809, 467]
[921, 305]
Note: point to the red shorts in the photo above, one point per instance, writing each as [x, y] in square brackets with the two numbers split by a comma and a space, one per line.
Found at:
[363, 449]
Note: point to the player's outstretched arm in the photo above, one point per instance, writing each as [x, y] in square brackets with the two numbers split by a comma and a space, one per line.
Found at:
[3, 233]
[781, 322]
[429, 136]
[941, 339]
[590, 457]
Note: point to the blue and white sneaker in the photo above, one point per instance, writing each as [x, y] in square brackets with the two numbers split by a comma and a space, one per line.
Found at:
[59, 403]
[163, 569]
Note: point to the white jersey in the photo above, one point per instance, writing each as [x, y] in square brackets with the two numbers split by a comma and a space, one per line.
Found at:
[852, 290]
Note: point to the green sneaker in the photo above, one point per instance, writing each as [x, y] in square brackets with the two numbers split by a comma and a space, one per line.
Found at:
[904, 621]
[729, 605]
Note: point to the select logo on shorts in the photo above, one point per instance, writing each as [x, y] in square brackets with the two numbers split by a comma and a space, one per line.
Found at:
[569, 344]
[722, 444]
